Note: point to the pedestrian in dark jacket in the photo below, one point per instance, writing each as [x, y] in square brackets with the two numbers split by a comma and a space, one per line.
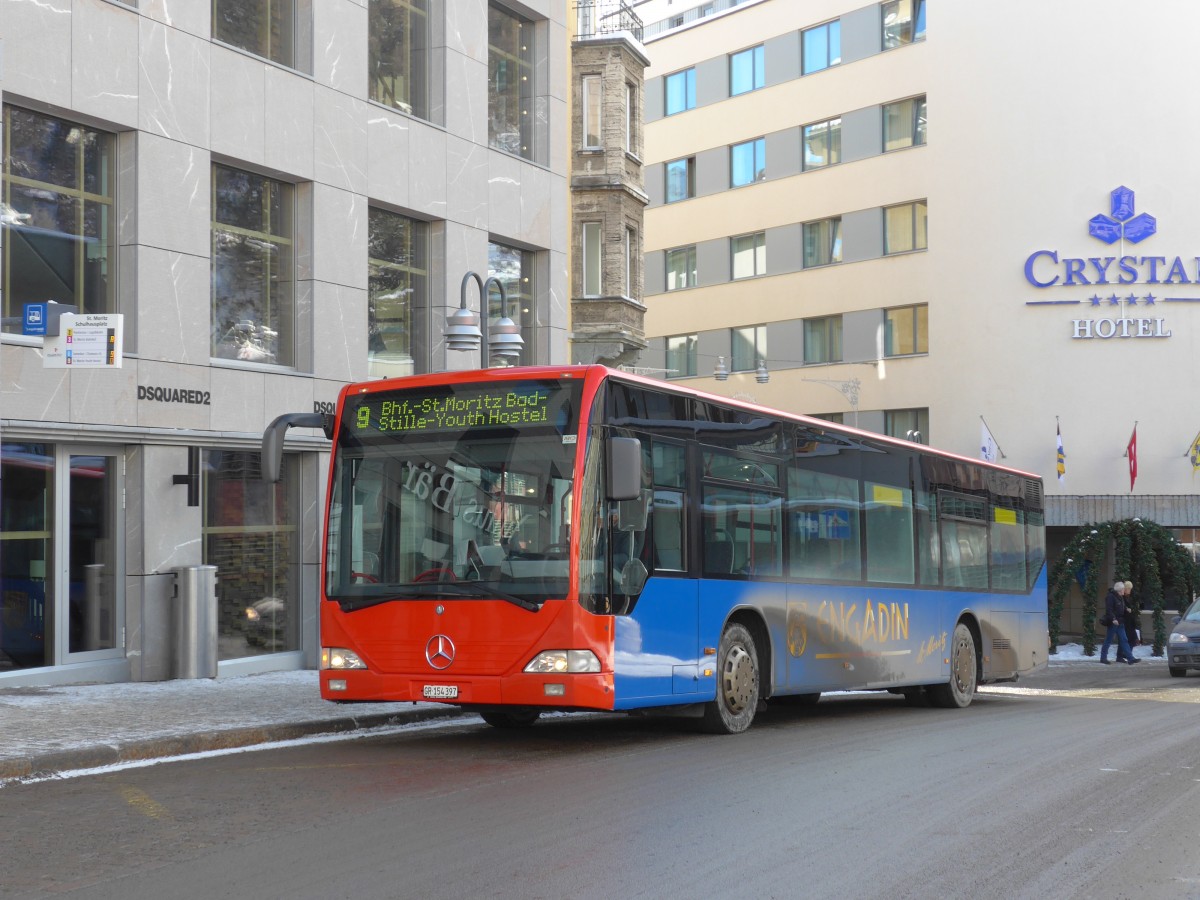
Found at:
[1114, 620]
[1133, 616]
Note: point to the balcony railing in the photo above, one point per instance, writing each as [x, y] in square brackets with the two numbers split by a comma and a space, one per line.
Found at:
[599, 17]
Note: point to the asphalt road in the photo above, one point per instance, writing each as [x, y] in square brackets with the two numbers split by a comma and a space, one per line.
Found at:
[1081, 783]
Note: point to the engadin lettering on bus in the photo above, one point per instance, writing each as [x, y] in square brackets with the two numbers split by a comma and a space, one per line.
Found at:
[1126, 294]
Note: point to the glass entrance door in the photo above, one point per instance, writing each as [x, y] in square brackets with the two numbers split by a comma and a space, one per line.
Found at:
[90, 568]
[61, 547]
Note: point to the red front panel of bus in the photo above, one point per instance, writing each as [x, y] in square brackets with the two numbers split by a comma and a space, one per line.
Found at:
[477, 647]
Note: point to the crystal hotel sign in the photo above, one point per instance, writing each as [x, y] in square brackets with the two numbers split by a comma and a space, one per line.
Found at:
[1119, 293]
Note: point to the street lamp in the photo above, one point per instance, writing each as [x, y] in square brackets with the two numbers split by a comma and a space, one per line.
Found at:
[467, 330]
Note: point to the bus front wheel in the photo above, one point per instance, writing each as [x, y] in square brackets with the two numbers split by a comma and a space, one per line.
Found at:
[737, 683]
[959, 691]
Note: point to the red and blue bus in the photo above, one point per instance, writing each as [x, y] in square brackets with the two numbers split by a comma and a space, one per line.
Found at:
[513, 541]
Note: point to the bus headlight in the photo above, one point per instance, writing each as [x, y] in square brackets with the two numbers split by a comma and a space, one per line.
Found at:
[550, 662]
[340, 658]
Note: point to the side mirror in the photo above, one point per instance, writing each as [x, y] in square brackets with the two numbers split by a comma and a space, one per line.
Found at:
[272, 440]
[624, 468]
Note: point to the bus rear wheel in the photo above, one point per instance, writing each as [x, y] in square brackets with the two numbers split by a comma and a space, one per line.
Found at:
[960, 690]
[737, 683]
[522, 718]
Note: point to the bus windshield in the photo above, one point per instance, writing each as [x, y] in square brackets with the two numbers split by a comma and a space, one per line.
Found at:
[453, 491]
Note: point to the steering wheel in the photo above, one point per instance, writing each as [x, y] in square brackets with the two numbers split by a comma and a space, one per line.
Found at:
[557, 551]
[364, 576]
[437, 574]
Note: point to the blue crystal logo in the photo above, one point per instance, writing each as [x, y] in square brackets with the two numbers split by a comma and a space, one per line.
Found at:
[1122, 223]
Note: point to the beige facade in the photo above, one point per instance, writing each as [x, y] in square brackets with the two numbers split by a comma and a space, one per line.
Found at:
[1030, 137]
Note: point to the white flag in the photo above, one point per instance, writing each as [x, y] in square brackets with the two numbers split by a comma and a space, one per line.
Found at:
[987, 444]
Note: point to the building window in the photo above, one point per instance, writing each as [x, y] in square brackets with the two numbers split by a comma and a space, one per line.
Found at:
[822, 46]
[250, 534]
[510, 82]
[397, 294]
[823, 340]
[906, 330]
[822, 144]
[631, 258]
[749, 346]
[681, 268]
[57, 230]
[903, 22]
[253, 277]
[398, 54]
[681, 356]
[266, 28]
[592, 96]
[746, 71]
[909, 424]
[630, 116]
[904, 228]
[593, 262]
[513, 267]
[681, 179]
[837, 417]
[904, 124]
[823, 242]
[747, 162]
[681, 91]
[749, 255]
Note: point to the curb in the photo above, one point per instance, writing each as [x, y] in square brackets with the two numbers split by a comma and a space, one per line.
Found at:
[54, 761]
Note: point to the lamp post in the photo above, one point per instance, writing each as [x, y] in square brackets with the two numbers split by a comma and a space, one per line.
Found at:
[468, 330]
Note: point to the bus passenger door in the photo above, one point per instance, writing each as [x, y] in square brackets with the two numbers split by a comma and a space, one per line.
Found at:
[656, 641]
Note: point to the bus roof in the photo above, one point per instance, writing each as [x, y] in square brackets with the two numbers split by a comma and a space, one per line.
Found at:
[594, 374]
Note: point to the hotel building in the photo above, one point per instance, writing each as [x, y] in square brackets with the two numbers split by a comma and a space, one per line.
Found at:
[906, 217]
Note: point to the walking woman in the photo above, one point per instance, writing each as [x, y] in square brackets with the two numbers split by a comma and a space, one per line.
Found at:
[1133, 616]
[1114, 619]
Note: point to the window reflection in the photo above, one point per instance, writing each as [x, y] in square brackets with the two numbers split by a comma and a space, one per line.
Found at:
[398, 54]
[252, 267]
[249, 534]
[513, 267]
[397, 294]
[56, 216]
[510, 82]
[265, 28]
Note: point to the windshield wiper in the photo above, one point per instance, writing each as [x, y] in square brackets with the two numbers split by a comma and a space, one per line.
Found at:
[483, 590]
[436, 589]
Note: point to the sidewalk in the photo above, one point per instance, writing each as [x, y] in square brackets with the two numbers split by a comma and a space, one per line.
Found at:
[55, 729]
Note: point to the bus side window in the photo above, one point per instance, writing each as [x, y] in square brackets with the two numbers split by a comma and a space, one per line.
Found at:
[668, 531]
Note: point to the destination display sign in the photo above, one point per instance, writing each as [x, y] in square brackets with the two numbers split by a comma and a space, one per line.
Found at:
[451, 408]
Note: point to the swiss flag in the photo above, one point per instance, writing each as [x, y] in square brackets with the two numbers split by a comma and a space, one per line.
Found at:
[1131, 452]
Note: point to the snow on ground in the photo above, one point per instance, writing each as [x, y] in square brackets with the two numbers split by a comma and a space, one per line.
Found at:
[1073, 653]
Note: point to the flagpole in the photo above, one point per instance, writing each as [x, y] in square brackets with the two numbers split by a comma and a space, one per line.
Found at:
[992, 434]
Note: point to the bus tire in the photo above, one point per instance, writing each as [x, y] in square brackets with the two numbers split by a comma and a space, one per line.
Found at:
[960, 689]
[521, 718]
[737, 683]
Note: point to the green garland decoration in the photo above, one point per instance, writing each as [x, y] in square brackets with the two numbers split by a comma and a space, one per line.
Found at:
[1145, 550]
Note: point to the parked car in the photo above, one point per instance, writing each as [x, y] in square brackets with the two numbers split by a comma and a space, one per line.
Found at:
[1183, 646]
